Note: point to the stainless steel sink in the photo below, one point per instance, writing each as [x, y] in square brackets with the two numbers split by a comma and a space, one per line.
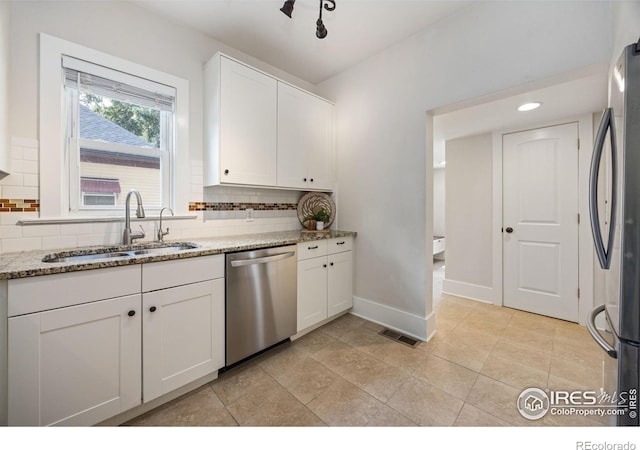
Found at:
[80, 256]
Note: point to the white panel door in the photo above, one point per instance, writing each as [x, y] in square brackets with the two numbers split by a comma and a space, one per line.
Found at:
[248, 125]
[183, 336]
[340, 283]
[77, 365]
[540, 221]
[312, 291]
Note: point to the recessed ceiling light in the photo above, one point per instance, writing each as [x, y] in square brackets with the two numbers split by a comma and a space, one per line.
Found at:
[529, 106]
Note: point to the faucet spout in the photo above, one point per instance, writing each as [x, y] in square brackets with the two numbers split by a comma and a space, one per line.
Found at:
[127, 235]
[162, 234]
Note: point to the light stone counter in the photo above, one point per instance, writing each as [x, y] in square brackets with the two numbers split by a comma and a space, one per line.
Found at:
[29, 264]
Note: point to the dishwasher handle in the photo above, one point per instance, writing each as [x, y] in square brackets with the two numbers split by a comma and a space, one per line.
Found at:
[263, 260]
[593, 331]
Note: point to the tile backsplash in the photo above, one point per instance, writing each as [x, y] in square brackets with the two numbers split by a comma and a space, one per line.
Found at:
[219, 211]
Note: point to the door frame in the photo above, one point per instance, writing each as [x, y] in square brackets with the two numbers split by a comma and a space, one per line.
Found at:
[585, 246]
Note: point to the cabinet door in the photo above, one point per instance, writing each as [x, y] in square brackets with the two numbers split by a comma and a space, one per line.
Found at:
[320, 144]
[183, 336]
[77, 365]
[293, 136]
[248, 125]
[340, 296]
[312, 291]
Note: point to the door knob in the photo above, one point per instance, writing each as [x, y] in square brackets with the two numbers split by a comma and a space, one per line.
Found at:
[509, 230]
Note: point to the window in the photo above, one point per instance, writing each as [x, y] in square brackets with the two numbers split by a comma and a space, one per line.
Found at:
[120, 132]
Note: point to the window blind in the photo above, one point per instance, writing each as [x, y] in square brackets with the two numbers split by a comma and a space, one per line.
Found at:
[100, 80]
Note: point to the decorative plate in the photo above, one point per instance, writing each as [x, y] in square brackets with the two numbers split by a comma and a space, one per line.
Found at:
[312, 202]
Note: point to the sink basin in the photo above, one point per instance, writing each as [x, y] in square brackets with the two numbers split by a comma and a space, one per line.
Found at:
[80, 256]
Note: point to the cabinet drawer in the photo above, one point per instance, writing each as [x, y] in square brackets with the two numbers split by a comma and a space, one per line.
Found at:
[33, 294]
[172, 273]
[312, 249]
[343, 244]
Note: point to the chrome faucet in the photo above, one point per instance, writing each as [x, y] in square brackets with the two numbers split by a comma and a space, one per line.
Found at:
[127, 235]
[162, 234]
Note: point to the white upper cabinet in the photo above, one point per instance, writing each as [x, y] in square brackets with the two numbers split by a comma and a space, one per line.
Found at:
[260, 131]
[240, 124]
[305, 140]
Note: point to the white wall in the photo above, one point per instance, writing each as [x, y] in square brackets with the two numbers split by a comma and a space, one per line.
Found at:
[626, 26]
[469, 220]
[380, 126]
[439, 202]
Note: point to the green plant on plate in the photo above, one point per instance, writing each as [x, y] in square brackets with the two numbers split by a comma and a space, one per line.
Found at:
[321, 215]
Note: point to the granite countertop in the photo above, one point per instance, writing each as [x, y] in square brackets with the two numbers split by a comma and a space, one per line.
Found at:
[29, 264]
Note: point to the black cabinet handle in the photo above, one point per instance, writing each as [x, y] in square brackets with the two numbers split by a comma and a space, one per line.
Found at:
[304, 179]
[340, 243]
[324, 265]
[311, 180]
[313, 248]
[331, 264]
[153, 309]
[509, 230]
[131, 313]
[226, 171]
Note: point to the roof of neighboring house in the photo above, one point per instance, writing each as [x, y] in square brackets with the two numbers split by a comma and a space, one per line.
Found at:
[94, 126]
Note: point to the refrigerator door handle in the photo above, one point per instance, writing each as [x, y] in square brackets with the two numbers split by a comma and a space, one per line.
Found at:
[607, 123]
[593, 331]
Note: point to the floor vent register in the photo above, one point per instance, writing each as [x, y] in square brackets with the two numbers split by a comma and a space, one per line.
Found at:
[395, 336]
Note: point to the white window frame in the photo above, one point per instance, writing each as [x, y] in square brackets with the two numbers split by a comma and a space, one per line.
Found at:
[100, 194]
[54, 170]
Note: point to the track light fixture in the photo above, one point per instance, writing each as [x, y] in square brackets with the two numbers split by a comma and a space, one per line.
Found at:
[287, 8]
[321, 30]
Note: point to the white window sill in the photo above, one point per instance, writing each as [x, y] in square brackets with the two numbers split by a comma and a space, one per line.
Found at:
[69, 220]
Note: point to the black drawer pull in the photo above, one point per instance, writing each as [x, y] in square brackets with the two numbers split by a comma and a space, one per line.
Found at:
[153, 309]
[340, 243]
[131, 313]
[313, 248]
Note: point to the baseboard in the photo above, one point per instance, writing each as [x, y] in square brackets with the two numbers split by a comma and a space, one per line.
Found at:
[470, 291]
[421, 328]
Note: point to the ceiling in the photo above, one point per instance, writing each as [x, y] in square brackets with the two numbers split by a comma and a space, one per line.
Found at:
[570, 96]
[357, 29]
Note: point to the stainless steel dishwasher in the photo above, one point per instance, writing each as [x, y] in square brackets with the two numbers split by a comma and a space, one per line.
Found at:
[261, 305]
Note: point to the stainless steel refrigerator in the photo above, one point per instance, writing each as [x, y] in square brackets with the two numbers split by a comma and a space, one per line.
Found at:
[617, 240]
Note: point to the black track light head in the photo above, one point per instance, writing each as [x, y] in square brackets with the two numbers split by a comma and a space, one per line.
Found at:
[321, 30]
[287, 8]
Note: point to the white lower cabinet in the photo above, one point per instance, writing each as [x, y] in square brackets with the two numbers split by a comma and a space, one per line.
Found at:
[77, 365]
[80, 351]
[183, 335]
[325, 286]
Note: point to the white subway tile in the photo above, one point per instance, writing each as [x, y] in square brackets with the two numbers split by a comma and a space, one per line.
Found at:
[20, 192]
[31, 179]
[10, 231]
[17, 153]
[21, 244]
[24, 142]
[31, 154]
[13, 217]
[14, 179]
[76, 228]
[59, 242]
[40, 230]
